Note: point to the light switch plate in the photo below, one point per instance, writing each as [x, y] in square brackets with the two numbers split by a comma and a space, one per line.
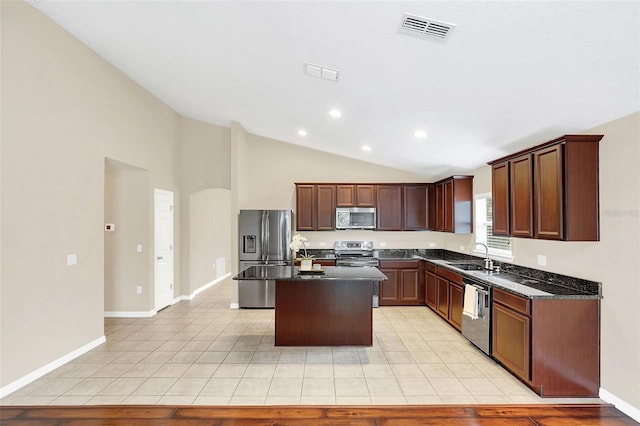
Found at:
[139, 289]
[72, 259]
[139, 248]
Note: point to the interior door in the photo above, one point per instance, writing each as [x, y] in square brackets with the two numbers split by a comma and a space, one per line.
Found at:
[163, 236]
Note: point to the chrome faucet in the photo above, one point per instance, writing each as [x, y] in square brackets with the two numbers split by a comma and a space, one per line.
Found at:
[488, 263]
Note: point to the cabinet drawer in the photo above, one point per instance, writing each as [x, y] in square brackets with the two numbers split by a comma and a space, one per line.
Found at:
[451, 276]
[400, 264]
[517, 303]
[429, 267]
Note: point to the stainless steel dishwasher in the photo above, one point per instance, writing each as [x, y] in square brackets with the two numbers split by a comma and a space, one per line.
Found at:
[477, 328]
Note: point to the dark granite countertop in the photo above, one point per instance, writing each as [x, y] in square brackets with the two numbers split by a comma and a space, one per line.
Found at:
[543, 286]
[520, 280]
[289, 273]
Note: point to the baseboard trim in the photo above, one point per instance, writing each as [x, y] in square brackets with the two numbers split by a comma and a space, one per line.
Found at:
[234, 306]
[46, 369]
[130, 314]
[621, 405]
[204, 287]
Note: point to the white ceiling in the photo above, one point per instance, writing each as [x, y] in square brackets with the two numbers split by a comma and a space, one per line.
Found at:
[511, 75]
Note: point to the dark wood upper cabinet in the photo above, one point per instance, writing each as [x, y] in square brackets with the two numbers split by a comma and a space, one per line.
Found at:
[432, 208]
[415, 207]
[305, 207]
[365, 195]
[548, 190]
[439, 191]
[355, 195]
[326, 207]
[521, 175]
[454, 204]
[315, 207]
[553, 190]
[500, 198]
[345, 195]
[389, 207]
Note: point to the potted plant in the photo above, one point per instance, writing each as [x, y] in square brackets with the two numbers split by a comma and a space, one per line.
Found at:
[297, 243]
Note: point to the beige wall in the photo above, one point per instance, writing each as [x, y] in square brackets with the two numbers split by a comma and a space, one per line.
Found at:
[209, 236]
[205, 161]
[63, 111]
[127, 206]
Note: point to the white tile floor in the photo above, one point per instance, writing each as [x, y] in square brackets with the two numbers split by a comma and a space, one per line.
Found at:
[202, 352]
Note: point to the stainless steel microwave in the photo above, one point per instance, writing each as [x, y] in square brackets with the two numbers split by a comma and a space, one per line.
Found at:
[355, 218]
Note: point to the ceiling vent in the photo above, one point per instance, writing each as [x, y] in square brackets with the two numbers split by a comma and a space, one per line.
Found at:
[425, 27]
[321, 72]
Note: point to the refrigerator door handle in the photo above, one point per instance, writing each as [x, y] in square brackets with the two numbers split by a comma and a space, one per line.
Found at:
[267, 234]
[263, 237]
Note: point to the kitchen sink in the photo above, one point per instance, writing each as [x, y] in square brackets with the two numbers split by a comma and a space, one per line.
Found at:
[467, 266]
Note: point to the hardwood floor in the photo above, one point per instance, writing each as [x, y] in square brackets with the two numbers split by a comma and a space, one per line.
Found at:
[450, 415]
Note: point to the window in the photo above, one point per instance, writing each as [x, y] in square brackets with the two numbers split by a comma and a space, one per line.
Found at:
[498, 246]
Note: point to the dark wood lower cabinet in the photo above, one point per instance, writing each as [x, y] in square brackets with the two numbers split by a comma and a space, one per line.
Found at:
[431, 283]
[315, 313]
[552, 345]
[455, 305]
[511, 339]
[442, 305]
[389, 289]
[404, 285]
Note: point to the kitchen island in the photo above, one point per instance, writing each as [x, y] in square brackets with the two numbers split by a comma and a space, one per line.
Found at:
[321, 309]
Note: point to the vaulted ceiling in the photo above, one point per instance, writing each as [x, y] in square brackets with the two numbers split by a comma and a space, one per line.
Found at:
[508, 75]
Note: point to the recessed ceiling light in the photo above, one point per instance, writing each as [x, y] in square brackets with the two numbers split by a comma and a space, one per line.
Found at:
[420, 134]
[302, 132]
[335, 113]
[366, 148]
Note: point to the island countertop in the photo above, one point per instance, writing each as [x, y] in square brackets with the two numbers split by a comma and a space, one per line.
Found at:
[292, 273]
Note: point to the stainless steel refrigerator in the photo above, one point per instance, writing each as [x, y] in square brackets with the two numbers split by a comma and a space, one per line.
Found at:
[264, 240]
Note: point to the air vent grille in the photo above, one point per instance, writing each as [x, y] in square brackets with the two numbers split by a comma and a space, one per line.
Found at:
[425, 27]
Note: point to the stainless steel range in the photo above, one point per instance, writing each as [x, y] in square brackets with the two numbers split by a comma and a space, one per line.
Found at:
[355, 254]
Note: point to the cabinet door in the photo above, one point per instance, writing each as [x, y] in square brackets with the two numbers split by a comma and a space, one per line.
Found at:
[521, 197]
[442, 307]
[389, 207]
[365, 196]
[511, 333]
[326, 207]
[448, 207]
[305, 207]
[410, 286]
[345, 195]
[455, 305]
[548, 186]
[500, 197]
[389, 289]
[432, 208]
[430, 280]
[415, 207]
[439, 207]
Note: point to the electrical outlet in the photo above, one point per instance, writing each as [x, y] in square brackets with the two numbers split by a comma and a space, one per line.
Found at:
[139, 248]
[322, 244]
[139, 289]
[383, 244]
[432, 245]
[461, 248]
[542, 260]
[72, 259]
